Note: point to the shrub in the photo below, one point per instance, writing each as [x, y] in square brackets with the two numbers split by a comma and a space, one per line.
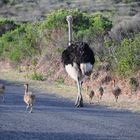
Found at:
[37, 76]
[100, 23]
[21, 43]
[9, 1]
[7, 25]
[83, 23]
[56, 20]
[60, 80]
[134, 84]
[128, 55]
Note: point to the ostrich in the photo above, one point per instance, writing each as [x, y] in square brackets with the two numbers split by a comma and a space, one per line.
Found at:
[29, 98]
[90, 94]
[116, 90]
[100, 93]
[78, 60]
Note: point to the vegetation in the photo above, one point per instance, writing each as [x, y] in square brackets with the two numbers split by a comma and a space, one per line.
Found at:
[37, 76]
[83, 24]
[134, 84]
[7, 25]
[128, 56]
[49, 37]
[60, 80]
[20, 43]
[6, 21]
[8, 1]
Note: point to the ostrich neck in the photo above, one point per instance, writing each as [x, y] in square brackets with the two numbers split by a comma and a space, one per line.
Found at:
[70, 32]
[114, 83]
[26, 89]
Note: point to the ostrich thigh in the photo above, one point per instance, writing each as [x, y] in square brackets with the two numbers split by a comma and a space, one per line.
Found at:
[72, 71]
[86, 68]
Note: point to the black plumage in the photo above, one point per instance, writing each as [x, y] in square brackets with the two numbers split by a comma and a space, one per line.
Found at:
[78, 52]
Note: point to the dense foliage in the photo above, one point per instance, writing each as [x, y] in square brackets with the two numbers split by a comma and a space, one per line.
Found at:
[25, 41]
[84, 25]
[128, 55]
[20, 43]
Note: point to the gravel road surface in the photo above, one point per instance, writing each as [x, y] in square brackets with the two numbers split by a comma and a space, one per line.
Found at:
[56, 118]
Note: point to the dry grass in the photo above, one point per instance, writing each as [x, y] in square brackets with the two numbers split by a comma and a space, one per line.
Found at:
[69, 92]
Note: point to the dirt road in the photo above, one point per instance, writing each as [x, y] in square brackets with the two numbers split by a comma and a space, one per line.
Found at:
[57, 119]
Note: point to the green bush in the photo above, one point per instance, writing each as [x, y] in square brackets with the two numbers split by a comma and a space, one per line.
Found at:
[124, 67]
[128, 55]
[37, 76]
[85, 26]
[5, 1]
[60, 80]
[7, 25]
[100, 23]
[21, 43]
[56, 19]
[9, 1]
[6, 21]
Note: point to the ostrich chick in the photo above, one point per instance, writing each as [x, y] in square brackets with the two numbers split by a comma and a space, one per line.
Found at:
[29, 98]
[116, 90]
[100, 93]
[90, 94]
[2, 91]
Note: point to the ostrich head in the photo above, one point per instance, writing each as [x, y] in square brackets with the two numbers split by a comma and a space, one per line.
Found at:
[69, 20]
[114, 82]
[26, 85]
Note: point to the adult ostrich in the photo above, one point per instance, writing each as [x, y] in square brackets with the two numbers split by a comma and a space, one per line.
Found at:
[78, 60]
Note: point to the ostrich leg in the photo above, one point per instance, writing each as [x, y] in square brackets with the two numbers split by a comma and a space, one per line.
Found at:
[3, 98]
[116, 98]
[31, 108]
[79, 100]
[27, 107]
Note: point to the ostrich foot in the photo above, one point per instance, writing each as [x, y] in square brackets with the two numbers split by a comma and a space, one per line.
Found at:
[31, 110]
[79, 102]
[3, 99]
